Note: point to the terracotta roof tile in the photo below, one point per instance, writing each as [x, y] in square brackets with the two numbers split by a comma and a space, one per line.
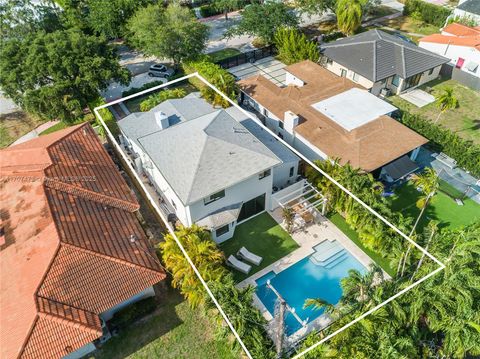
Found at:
[67, 254]
[461, 30]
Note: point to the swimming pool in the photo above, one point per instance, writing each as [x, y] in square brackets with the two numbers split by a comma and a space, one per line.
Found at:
[316, 276]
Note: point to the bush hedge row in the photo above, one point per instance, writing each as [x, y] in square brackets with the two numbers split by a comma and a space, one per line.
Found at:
[133, 312]
[429, 13]
[209, 10]
[148, 85]
[465, 152]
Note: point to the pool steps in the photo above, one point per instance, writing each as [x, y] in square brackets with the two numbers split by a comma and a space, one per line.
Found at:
[328, 254]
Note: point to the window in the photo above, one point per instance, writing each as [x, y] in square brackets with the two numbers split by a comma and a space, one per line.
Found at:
[355, 77]
[343, 73]
[252, 207]
[214, 197]
[173, 204]
[264, 174]
[291, 171]
[430, 72]
[222, 230]
[280, 124]
[396, 80]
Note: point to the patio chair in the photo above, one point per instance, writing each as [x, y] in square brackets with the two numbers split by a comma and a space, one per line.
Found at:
[248, 256]
[233, 262]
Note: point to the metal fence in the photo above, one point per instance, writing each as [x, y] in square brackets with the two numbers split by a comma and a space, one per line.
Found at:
[247, 57]
[463, 77]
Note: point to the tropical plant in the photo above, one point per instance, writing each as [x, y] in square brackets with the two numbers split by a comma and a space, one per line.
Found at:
[217, 76]
[349, 16]
[319, 303]
[204, 254]
[159, 97]
[287, 214]
[427, 12]
[293, 46]
[172, 33]
[359, 289]
[263, 21]
[445, 101]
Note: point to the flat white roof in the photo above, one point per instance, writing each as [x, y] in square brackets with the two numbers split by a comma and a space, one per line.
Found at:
[353, 108]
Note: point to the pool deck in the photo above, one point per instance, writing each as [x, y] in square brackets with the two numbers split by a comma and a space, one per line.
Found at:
[307, 238]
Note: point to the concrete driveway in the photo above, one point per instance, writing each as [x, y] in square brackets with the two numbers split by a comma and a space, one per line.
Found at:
[114, 91]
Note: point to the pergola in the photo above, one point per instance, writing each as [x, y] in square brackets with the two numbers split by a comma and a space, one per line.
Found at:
[303, 199]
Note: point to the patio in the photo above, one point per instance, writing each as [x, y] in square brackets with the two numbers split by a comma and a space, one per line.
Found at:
[268, 67]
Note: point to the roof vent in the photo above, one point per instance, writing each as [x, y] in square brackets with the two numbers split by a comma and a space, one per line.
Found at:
[161, 119]
[133, 238]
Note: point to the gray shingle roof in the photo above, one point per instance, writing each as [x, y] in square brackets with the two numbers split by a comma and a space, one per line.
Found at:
[471, 6]
[377, 55]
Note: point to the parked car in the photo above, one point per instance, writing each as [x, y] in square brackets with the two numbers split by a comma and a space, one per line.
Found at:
[159, 70]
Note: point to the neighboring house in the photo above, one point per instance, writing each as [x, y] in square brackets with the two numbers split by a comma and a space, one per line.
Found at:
[326, 116]
[72, 251]
[468, 9]
[206, 167]
[381, 62]
[460, 43]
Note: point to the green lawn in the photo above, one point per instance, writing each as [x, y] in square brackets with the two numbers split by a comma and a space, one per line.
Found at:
[339, 221]
[463, 120]
[263, 236]
[223, 54]
[410, 26]
[173, 331]
[442, 208]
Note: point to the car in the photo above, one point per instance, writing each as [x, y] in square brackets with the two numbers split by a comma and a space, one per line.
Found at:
[160, 70]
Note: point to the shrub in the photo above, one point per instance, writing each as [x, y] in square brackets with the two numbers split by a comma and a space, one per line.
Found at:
[463, 151]
[155, 99]
[138, 89]
[294, 46]
[107, 117]
[217, 76]
[464, 20]
[429, 13]
[133, 312]
[208, 10]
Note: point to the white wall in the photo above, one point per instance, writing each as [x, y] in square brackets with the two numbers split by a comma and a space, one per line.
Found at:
[81, 352]
[291, 79]
[453, 52]
[336, 68]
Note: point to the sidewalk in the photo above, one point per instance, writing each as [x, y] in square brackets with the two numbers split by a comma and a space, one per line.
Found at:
[35, 133]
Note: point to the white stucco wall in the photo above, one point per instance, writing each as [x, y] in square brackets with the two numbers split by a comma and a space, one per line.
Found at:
[454, 52]
[336, 68]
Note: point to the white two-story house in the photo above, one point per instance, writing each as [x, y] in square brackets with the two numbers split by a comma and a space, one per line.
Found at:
[206, 166]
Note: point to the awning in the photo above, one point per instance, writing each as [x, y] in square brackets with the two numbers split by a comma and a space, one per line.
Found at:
[221, 217]
[400, 168]
[472, 66]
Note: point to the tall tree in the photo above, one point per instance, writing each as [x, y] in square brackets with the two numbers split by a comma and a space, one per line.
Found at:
[349, 15]
[293, 46]
[226, 5]
[172, 33]
[445, 101]
[56, 75]
[263, 21]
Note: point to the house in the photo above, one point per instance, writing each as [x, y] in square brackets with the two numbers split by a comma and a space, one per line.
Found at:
[381, 62]
[459, 43]
[326, 116]
[72, 251]
[469, 9]
[205, 165]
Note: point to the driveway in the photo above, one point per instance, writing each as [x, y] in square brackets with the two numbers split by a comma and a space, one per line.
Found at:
[268, 67]
[114, 91]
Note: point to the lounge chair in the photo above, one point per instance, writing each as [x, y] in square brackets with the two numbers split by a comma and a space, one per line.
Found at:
[245, 254]
[238, 265]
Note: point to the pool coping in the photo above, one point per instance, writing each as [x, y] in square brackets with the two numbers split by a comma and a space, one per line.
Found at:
[322, 229]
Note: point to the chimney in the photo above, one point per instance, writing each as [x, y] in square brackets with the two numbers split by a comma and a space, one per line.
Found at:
[290, 121]
[292, 80]
[161, 119]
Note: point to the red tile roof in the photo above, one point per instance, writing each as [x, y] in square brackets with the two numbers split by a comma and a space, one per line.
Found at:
[68, 218]
[461, 30]
[456, 35]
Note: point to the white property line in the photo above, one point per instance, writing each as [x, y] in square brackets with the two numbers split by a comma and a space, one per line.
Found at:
[197, 273]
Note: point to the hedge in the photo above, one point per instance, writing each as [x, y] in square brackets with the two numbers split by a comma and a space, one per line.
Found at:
[133, 312]
[465, 152]
[208, 10]
[138, 89]
[429, 13]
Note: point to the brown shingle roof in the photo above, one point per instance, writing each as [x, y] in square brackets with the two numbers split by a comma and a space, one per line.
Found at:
[368, 147]
[67, 216]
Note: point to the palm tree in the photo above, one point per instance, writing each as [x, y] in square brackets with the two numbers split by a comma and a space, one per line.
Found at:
[445, 101]
[360, 288]
[205, 255]
[319, 303]
[429, 183]
[349, 16]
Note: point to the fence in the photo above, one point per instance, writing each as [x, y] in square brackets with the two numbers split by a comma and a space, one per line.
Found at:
[469, 80]
[247, 57]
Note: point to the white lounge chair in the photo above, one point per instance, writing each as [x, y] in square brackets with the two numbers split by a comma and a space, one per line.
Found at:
[245, 254]
[233, 262]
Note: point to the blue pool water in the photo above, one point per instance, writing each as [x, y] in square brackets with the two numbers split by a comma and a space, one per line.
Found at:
[316, 276]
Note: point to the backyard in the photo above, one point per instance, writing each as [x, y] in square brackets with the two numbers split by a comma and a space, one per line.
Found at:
[263, 236]
[412, 28]
[223, 54]
[464, 120]
[16, 124]
[442, 208]
[174, 330]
